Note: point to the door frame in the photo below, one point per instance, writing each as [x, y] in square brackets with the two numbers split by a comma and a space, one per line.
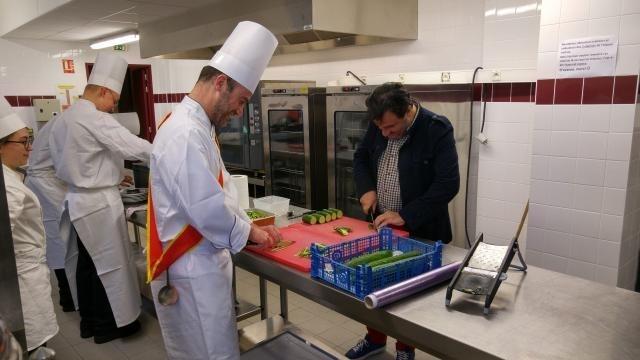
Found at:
[149, 131]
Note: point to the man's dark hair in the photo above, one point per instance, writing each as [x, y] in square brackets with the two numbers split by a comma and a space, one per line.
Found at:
[209, 72]
[391, 96]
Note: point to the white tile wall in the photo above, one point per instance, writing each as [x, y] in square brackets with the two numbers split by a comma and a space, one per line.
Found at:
[585, 223]
[588, 198]
[584, 248]
[548, 41]
[619, 146]
[611, 228]
[563, 143]
[565, 117]
[592, 145]
[604, 8]
[573, 30]
[603, 26]
[504, 170]
[622, 118]
[608, 253]
[572, 10]
[595, 118]
[581, 269]
[614, 201]
[562, 169]
[590, 172]
[630, 29]
[628, 59]
[589, 152]
[616, 174]
[630, 7]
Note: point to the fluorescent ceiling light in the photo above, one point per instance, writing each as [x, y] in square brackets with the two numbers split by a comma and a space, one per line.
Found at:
[506, 11]
[526, 8]
[117, 40]
[490, 12]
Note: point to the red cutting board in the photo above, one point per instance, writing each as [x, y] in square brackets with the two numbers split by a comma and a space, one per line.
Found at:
[359, 229]
[304, 235]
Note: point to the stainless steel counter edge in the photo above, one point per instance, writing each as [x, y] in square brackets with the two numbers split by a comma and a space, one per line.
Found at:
[395, 326]
[541, 314]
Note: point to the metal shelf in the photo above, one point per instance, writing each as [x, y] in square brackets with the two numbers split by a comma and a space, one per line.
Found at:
[287, 152]
[289, 171]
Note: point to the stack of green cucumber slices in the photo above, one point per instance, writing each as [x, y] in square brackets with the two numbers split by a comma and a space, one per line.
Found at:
[322, 216]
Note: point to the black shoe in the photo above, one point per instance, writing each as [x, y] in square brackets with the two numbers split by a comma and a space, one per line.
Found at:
[86, 332]
[122, 332]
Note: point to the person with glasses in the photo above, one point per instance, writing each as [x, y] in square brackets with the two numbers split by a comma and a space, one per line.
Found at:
[88, 147]
[27, 230]
[42, 180]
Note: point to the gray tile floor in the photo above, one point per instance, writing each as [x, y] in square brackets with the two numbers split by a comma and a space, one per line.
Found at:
[334, 329]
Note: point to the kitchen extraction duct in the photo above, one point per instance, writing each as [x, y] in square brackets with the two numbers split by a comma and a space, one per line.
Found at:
[299, 25]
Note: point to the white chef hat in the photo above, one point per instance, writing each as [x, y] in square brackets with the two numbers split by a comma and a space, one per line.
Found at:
[10, 122]
[109, 71]
[246, 53]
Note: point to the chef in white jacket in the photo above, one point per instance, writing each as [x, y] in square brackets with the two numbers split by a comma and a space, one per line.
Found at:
[27, 230]
[42, 180]
[190, 187]
[88, 149]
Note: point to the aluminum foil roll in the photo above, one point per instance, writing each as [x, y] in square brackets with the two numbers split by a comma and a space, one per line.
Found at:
[411, 286]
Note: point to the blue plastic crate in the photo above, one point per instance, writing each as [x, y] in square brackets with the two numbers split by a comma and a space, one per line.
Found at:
[328, 263]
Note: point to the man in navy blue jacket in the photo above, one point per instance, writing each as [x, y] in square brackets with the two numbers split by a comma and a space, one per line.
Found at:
[406, 172]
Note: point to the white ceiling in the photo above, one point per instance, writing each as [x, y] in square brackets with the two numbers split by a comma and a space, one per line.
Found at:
[81, 20]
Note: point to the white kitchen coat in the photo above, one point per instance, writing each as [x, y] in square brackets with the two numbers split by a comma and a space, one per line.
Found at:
[185, 164]
[88, 148]
[30, 248]
[42, 180]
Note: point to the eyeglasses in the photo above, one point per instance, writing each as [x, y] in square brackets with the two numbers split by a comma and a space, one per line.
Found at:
[26, 143]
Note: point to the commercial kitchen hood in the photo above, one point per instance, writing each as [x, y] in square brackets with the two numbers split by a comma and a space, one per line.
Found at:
[300, 25]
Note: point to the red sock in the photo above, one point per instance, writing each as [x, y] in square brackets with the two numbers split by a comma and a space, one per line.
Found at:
[376, 337]
[400, 346]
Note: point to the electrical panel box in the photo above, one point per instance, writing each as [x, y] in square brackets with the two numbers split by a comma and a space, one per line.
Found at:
[46, 108]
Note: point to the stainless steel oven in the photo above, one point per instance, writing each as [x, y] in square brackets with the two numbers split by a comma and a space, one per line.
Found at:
[241, 140]
[346, 125]
[291, 144]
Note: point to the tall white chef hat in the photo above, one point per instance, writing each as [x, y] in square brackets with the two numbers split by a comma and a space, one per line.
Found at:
[246, 53]
[10, 122]
[109, 71]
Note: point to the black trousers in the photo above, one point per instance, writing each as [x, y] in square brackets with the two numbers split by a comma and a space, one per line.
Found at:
[96, 316]
[66, 301]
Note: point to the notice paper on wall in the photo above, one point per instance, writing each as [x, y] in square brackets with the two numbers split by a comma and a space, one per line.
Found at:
[587, 57]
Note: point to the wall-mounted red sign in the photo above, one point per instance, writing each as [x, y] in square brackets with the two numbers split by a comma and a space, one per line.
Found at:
[68, 67]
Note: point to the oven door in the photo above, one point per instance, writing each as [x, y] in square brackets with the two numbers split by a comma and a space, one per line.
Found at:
[234, 142]
[346, 126]
[286, 147]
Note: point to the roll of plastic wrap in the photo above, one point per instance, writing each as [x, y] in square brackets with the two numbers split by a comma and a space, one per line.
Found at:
[241, 183]
[411, 286]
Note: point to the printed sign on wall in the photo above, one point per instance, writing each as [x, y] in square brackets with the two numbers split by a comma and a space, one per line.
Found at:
[68, 67]
[587, 57]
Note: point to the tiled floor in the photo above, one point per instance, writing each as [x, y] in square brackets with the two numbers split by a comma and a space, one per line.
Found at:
[330, 327]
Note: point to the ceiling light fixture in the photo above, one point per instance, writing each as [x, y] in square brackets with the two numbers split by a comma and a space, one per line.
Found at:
[116, 40]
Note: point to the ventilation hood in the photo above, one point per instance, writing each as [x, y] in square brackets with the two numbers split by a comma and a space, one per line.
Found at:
[299, 25]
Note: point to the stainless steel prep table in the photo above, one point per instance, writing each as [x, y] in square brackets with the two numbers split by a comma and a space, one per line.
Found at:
[537, 315]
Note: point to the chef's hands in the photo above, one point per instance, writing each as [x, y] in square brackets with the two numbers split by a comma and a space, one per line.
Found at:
[368, 201]
[388, 218]
[267, 236]
[126, 181]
